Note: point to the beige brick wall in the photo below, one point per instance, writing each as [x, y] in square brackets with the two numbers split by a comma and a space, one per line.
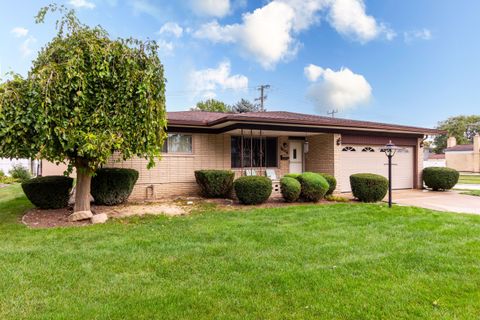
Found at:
[174, 173]
[460, 161]
[419, 161]
[52, 169]
[324, 155]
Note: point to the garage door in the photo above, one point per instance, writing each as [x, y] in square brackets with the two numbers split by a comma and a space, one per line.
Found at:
[372, 159]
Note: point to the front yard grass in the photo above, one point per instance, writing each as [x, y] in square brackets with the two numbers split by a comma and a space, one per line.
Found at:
[469, 179]
[341, 261]
[471, 192]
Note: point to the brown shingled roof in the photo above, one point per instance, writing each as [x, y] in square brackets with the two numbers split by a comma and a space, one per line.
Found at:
[210, 119]
[461, 147]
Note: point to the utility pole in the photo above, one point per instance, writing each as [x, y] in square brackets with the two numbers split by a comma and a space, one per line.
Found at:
[332, 113]
[263, 96]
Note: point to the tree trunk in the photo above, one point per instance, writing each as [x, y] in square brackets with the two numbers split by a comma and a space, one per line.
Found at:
[82, 191]
[82, 211]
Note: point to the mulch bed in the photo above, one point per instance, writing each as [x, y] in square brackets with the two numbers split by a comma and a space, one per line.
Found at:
[36, 218]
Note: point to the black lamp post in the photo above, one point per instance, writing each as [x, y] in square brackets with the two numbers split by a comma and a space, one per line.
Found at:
[390, 150]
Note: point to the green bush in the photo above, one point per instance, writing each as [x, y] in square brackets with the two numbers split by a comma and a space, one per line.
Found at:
[215, 183]
[292, 175]
[290, 188]
[20, 173]
[332, 183]
[336, 198]
[50, 192]
[368, 187]
[314, 186]
[112, 186]
[253, 189]
[440, 178]
[4, 179]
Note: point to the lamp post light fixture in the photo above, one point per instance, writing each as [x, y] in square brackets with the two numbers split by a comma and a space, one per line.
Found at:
[390, 149]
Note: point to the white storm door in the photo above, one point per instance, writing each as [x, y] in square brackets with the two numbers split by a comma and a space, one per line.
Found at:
[296, 156]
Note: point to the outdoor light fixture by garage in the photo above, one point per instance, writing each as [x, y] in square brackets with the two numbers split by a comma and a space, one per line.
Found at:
[390, 149]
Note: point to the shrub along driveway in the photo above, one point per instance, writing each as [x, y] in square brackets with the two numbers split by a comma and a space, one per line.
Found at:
[451, 201]
[343, 261]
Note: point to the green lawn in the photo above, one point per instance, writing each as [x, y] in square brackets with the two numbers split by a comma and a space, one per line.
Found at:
[469, 179]
[339, 261]
[472, 192]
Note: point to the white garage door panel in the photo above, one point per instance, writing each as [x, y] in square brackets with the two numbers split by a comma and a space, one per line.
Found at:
[358, 161]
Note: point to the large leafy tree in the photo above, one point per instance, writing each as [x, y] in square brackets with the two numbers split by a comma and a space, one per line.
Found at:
[85, 98]
[463, 128]
[212, 105]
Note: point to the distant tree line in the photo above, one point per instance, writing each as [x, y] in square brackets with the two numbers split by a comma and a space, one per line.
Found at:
[213, 105]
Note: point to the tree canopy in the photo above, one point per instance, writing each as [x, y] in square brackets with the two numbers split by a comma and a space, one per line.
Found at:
[244, 105]
[85, 98]
[212, 105]
[463, 128]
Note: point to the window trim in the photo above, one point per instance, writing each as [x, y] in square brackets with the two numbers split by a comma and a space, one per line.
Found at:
[167, 153]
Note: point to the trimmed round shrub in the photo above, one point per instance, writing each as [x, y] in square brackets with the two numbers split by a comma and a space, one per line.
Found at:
[290, 188]
[314, 186]
[332, 183]
[112, 186]
[292, 175]
[215, 183]
[368, 187]
[440, 178]
[253, 189]
[50, 192]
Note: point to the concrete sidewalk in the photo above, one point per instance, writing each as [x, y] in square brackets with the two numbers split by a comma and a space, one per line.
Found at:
[450, 201]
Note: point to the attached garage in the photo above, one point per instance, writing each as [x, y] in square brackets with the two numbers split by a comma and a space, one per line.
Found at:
[372, 159]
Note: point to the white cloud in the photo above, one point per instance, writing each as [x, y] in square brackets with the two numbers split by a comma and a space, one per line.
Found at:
[145, 7]
[165, 47]
[313, 72]
[340, 90]
[422, 34]
[19, 32]
[82, 4]
[269, 34]
[349, 18]
[265, 34]
[25, 48]
[211, 8]
[207, 81]
[171, 28]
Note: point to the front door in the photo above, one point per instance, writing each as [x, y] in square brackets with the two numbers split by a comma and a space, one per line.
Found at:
[296, 156]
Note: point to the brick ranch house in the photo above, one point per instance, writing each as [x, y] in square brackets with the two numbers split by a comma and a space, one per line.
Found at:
[284, 142]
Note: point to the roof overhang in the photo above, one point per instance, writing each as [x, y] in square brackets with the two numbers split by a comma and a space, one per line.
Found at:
[216, 127]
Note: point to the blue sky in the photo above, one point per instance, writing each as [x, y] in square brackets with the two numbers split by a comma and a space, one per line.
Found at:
[411, 62]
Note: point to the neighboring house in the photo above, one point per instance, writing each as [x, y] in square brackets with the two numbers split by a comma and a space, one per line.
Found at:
[463, 157]
[280, 141]
[434, 160]
[7, 164]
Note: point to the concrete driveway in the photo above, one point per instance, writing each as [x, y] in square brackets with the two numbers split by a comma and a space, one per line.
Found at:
[444, 201]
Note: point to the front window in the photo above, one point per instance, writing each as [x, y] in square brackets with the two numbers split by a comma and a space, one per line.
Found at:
[178, 143]
[257, 152]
